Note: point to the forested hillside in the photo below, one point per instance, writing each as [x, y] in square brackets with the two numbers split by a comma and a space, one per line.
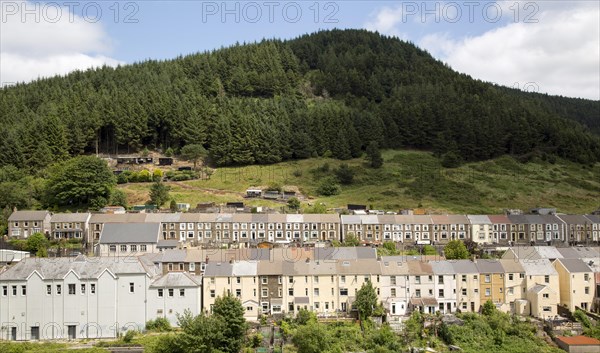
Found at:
[328, 93]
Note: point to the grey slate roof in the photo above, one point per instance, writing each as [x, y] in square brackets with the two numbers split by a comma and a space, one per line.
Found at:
[57, 268]
[18, 216]
[235, 268]
[177, 279]
[69, 217]
[575, 265]
[539, 288]
[464, 266]
[479, 219]
[579, 252]
[345, 253]
[539, 267]
[126, 233]
[442, 267]
[489, 266]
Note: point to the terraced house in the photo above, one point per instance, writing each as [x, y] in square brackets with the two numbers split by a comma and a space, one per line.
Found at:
[69, 225]
[22, 224]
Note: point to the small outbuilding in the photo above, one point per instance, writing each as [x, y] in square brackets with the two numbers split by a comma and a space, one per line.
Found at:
[578, 344]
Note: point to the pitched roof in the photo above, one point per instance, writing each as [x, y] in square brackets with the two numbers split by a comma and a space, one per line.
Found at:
[177, 279]
[539, 288]
[574, 219]
[70, 217]
[536, 252]
[117, 218]
[499, 219]
[489, 266]
[539, 267]
[479, 219]
[345, 253]
[58, 267]
[27, 216]
[442, 267]
[120, 233]
[511, 266]
[232, 268]
[579, 252]
[578, 340]
[575, 265]
[464, 266]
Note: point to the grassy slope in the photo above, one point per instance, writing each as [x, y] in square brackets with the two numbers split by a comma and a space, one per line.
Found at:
[407, 180]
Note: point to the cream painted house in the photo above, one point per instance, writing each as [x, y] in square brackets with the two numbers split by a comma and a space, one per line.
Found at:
[541, 287]
[576, 280]
[467, 285]
[240, 278]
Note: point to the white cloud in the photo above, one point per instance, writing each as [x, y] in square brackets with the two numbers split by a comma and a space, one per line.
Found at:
[386, 21]
[46, 40]
[560, 53]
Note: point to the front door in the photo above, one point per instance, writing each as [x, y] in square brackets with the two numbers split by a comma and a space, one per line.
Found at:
[13, 333]
[71, 332]
[344, 306]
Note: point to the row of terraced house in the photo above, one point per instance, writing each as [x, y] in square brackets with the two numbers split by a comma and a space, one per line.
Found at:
[115, 234]
[87, 297]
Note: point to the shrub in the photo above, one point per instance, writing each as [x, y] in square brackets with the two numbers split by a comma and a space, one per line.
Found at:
[329, 187]
[160, 324]
[144, 176]
[157, 174]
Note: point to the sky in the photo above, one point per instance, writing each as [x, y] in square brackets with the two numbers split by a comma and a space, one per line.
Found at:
[543, 46]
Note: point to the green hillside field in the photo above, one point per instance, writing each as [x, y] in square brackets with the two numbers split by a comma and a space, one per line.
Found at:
[408, 179]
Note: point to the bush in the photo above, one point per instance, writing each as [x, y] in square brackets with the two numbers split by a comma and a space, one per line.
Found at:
[122, 179]
[344, 174]
[451, 160]
[157, 174]
[329, 187]
[169, 152]
[161, 324]
[144, 176]
[129, 335]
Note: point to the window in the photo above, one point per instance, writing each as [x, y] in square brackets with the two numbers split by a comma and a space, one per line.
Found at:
[264, 280]
[418, 279]
[171, 292]
[71, 288]
[393, 280]
[510, 291]
[131, 287]
[160, 293]
[182, 292]
[93, 288]
[212, 293]
[291, 292]
[587, 290]
[279, 292]
[393, 292]
[23, 290]
[487, 279]
[546, 279]
[133, 248]
[441, 279]
[343, 279]
[441, 293]
[547, 309]
[418, 293]
[238, 293]
[546, 295]
[316, 279]
[82, 288]
[49, 289]
[343, 291]
[510, 276]
[586, 277]
[58, 289]
[464, 278]
[316, 292]
[264, 293]
[143, 248]
[487, 292]
[123, 247]
[112, 248]
[192, 266]
[238, 280]
[464, 291]
[291, 279]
